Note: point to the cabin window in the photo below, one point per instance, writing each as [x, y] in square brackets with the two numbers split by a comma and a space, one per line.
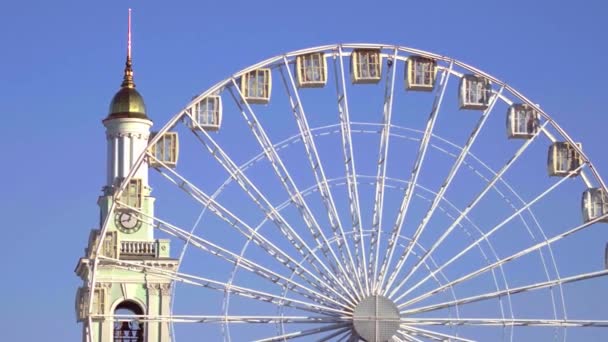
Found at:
[595, 204]
[132, 196]
[421, 73]
[128, 329]
[165, 151]
[366, 66]
[563, 159]
[311, 70]
[475, 92]
[522, 121]
[208, 113]
[256, 86]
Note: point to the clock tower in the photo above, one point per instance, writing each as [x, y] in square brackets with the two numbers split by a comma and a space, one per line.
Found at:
[128, 277]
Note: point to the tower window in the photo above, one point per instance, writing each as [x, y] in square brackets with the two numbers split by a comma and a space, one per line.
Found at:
[365, 66]
[133, 194]
[475, 92]
[82, 301]
[522, 121]
[165, 150]
[420, 73]
[311, 70]
[208, 113]
[128, 329]
[256, 86]
[563, 159]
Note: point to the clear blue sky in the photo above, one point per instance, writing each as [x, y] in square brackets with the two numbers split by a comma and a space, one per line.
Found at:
[62, 61]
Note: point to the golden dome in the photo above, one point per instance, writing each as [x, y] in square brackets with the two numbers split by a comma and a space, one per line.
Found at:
[127, 103]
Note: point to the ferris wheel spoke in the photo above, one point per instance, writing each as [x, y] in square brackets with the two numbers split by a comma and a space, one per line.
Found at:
[374, 243]
[245, 292]
[345, 335]
[396, 338]
[492, 295]
[503, 261]
[349, 163]
[288, 183]
[470, 206]
[353, 337]
[251, 234]
[304, 333]
[338, 333]
[223, 319]
[444, 187]
[490, 232]
[277, 219]
[320, 296]
[433, 335]
[318, 170]
[508, 322]
[407, 337]
[407, 197]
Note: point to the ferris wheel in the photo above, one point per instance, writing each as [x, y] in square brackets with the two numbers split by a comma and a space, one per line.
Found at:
[367, 192]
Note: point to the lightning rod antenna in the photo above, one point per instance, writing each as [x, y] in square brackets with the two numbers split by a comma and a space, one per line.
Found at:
[128, 78]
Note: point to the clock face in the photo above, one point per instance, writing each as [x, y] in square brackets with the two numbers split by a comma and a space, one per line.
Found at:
[127, 222]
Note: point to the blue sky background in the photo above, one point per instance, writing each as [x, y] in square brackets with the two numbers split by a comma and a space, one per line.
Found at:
[61, 62]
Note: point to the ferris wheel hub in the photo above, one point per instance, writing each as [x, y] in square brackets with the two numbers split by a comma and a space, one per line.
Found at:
[376, 319]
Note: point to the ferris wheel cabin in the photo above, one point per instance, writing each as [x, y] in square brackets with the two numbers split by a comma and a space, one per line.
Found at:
[522, 121]
[595, 204]
[256, 86]
[365, 66]
[165, 151]
[564, 160]
[421, 73]
[474, 92]
[311, 70]
[207, 113]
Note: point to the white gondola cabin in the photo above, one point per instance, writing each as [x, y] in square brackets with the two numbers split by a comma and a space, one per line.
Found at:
[595, 204]
[311, 70]
[474, 92]
[208, 113]
[563, 159]
[522, 121]
[421, 73]
[166, 150]
[256, 86]
[365, 66]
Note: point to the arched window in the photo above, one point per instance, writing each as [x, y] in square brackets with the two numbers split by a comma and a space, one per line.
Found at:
[126, 330]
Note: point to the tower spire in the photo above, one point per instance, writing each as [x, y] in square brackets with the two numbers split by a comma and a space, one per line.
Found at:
[128, 77]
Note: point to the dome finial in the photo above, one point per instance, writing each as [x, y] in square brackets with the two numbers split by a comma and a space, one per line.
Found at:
[128, 78]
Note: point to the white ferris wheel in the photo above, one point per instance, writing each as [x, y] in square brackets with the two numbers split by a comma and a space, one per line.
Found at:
[366, 192]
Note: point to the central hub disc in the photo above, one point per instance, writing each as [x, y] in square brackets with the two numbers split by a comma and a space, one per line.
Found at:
[376, 319]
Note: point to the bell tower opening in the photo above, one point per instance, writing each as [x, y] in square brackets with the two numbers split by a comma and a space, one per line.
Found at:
[128, 330]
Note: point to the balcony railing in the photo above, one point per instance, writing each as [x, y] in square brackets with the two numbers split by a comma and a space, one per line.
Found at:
[138, 249]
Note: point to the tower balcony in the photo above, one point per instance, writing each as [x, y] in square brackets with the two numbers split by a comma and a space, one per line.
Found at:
[144, 249]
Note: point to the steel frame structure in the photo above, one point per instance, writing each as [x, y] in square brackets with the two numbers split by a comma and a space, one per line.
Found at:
[327, 272]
